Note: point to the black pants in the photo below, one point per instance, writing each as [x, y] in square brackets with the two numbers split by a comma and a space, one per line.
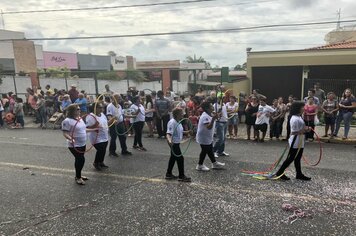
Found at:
[138, 127]
[100, 152]
[176, 157]
[79, 159]
[164, 119]
[114, 131]
[310, 134]
[295, 156]
[274, 129]
[288, 126]
[1, 120]
[206, 149]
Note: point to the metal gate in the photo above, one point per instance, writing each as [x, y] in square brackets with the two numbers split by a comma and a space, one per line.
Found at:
[331, 85]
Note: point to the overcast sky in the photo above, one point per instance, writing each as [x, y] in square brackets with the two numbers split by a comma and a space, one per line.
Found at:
[224, 49]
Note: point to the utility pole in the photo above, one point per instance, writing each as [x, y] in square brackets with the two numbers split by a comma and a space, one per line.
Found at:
[339, 17]
[2, 18]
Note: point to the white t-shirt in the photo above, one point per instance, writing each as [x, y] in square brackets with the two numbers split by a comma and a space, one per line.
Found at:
[103, 135]
[149, 106]
[176, 130]
[141, 114]
[263, 111]
[205, 135]
[1, 106]
[112, 110]
[218, 107]
[79, 131]
[233, 108]
[296, 124]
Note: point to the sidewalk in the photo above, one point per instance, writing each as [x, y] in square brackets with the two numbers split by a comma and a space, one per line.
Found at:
[242, 132]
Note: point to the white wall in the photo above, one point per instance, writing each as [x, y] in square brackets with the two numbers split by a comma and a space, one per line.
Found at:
[7, 34]
[22, 83]
[7, 50]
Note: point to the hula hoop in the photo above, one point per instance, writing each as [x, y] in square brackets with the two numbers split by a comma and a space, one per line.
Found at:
[190, 139]
[128, 130]
[72, 134]
[320, 155]
[98, 99]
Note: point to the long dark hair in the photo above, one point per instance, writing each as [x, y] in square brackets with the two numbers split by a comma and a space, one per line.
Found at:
[149, 100]
[295, 108]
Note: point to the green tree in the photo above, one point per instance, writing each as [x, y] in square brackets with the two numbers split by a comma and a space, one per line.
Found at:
[242, 67]
[194, 59]
[108, 75]
[112, 53]
[135, 75]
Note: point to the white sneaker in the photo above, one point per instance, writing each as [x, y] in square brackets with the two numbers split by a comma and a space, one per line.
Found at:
[217, 165]
[202, 168]
[216, 155]
[225, 154]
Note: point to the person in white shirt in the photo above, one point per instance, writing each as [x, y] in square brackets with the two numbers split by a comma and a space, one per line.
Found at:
[221, 128]
[204, 137]
[1, 110]
[97, 119]
[138, 122]
[114, 110]
[174, 137]
[262, 120]
[296, 142]
[232, 111]
[74, 130]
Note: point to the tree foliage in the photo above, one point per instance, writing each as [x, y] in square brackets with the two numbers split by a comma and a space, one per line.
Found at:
[55, 72]
[135, 75]
[108, 75]
[194, 59]
[242, 67]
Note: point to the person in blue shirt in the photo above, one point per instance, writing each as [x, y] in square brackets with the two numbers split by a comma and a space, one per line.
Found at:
[82, 103]
[65, 102]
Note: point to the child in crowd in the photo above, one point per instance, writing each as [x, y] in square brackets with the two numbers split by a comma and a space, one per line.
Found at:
[262, 120]
[19, 114]
[174, 137]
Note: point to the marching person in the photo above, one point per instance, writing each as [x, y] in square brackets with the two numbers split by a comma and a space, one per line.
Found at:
[296, 142]
[74, 130]
[97, 119]
[174, 137]
[138, 122]
[204, 137]
[114, 110]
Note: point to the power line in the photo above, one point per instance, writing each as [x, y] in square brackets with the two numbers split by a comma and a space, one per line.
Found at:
[106, 8]
[226, 30]
[158, 11]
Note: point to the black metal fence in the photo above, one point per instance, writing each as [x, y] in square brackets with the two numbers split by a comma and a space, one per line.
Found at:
[331, 85]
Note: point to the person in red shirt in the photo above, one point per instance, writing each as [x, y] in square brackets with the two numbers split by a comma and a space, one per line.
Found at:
[310, 111]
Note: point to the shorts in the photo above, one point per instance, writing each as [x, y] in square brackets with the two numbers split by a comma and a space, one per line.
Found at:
[148, 119]
[261, 127]
[329, 120]
[233, 120]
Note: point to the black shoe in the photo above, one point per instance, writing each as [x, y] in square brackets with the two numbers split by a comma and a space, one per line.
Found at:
[102, 165]
[135, 147]
[303, 177]
[97, 166]
[185, 179]
[126, 153]
[114, 154]
[170, 176]
[284, 177]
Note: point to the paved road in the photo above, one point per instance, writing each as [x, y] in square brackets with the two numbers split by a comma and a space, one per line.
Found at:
[132, 198]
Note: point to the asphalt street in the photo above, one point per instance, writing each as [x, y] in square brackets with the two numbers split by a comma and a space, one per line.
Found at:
[39, 196]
